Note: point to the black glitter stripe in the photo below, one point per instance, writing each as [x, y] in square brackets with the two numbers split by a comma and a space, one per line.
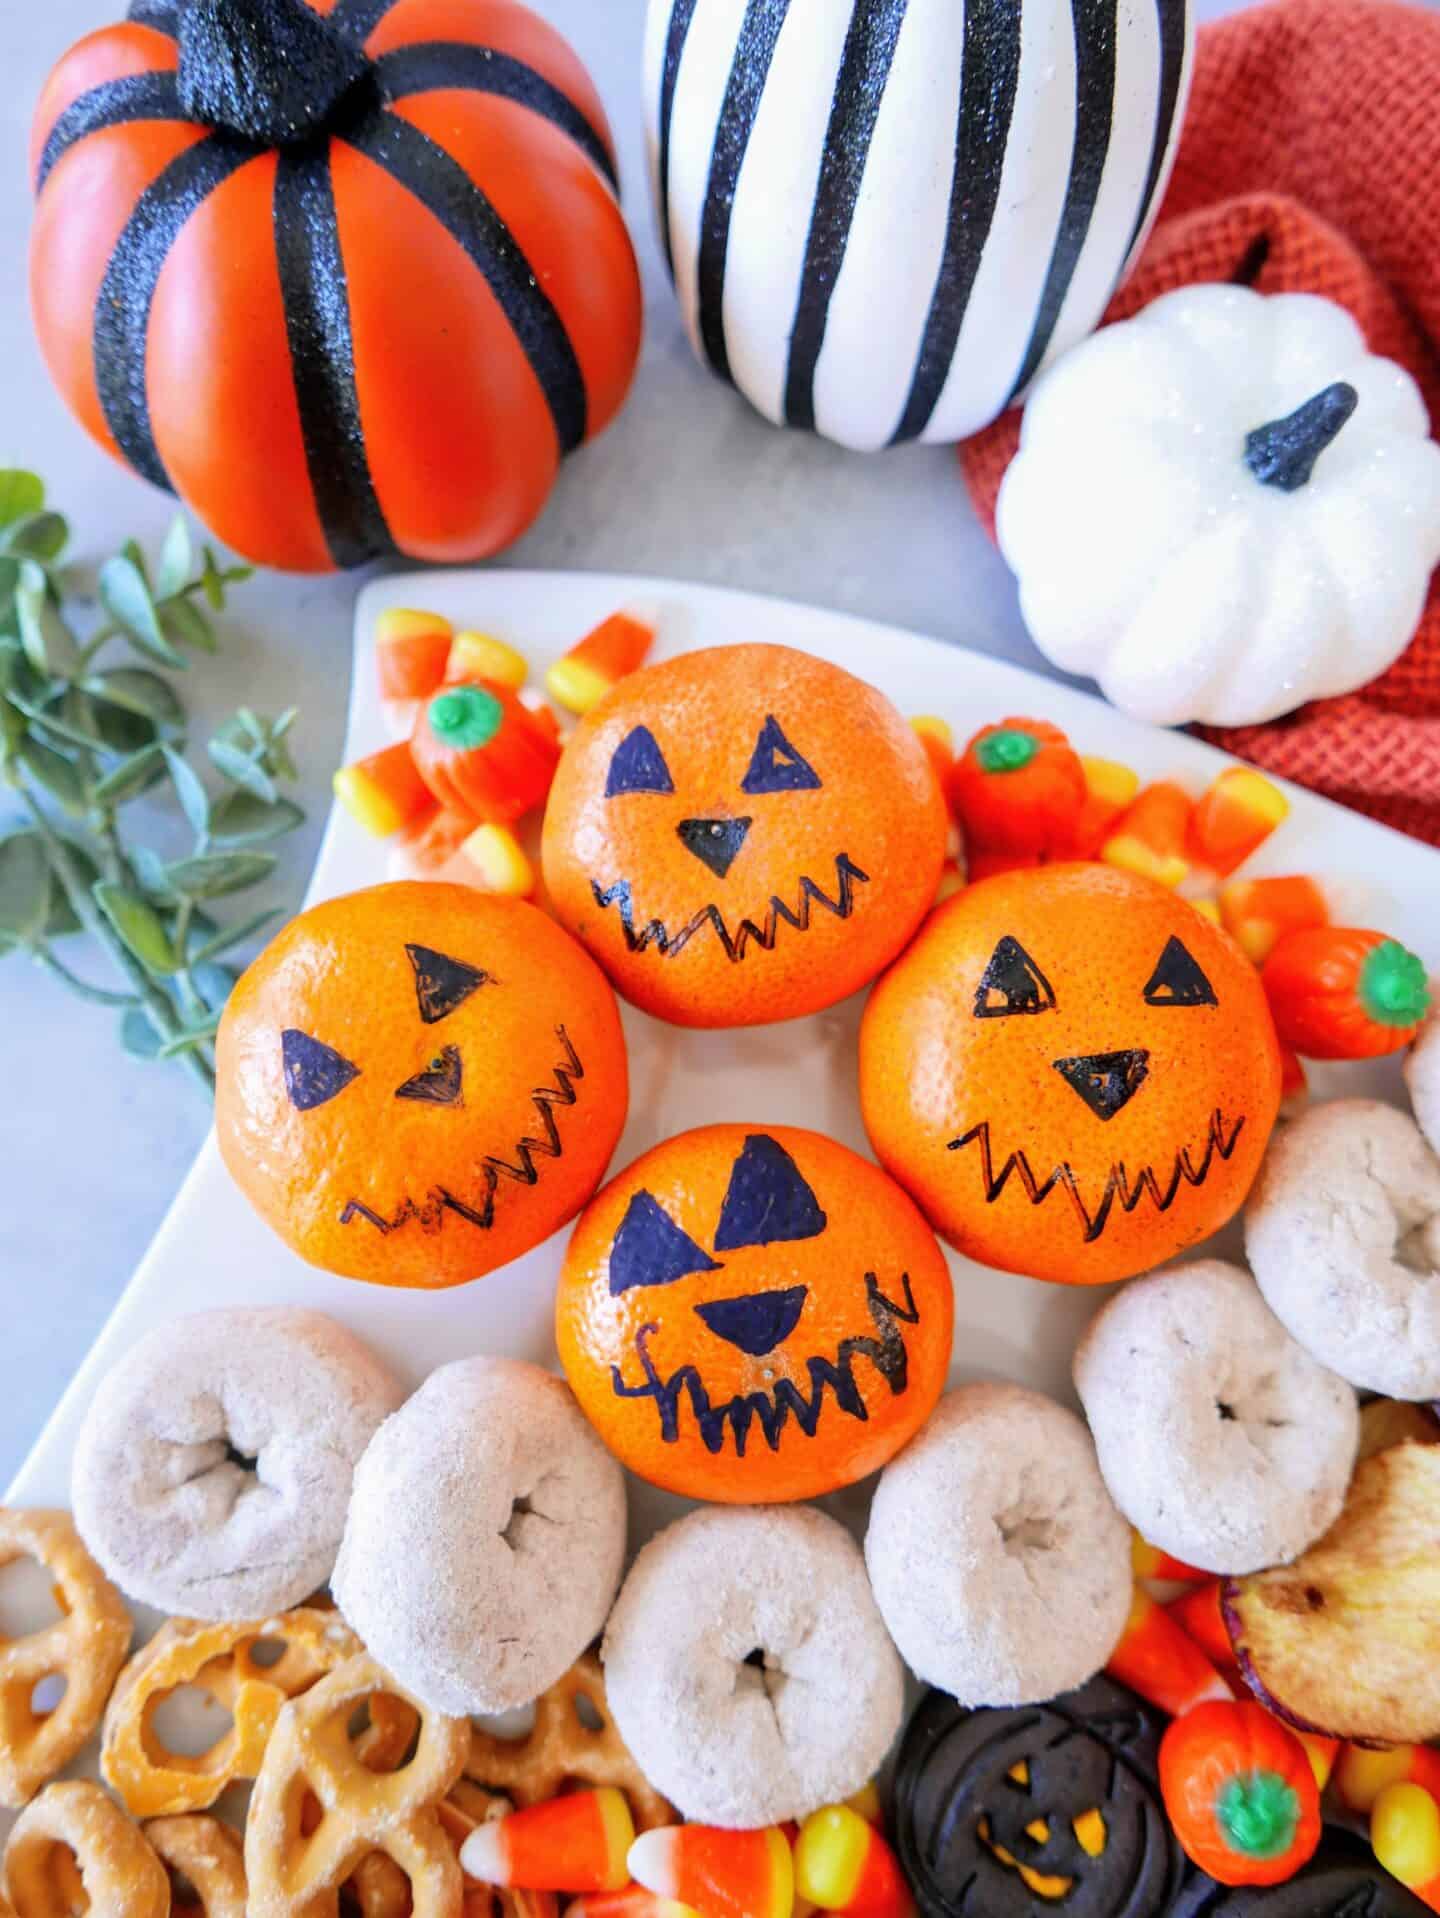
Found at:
[443, 186]
[859, 90]
[1095, 29]
[122, 308]
[453, 63]
[359, 18]
[749, 70]
[989, 73]
[322, 358]
[140, 96]
[681, 14]
[1171, 16]
[163, 15]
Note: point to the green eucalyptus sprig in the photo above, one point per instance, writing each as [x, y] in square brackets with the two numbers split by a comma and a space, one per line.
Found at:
[84, 730]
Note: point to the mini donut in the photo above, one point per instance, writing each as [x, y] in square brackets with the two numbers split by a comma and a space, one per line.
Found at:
[999, 1562]
[1343, 1235]
[1422, 1076]
[1221, 1440]
[486, 1537]
[747, 1667]
[212, 1472]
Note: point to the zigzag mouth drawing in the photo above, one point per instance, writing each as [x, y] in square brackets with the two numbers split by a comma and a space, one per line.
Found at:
[430, 1214]
[735, 944]
[773, 1410]
[1119, 1185]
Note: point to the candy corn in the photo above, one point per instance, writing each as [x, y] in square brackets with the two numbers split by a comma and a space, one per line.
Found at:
[1208, 909]
[499, 862]
[631, 1901]
[1234, 818]
[575, 1843]
[1361, 1776]
[618, 645]
[1322, 1753]
[1148, 1561]
[481, 750]
[843, 1864]
[1198, 1614]
[482, 656]
[1109, 790]
[939, 743]
[1258, 912]
[1405, 1833]
[1163, 1663]
[411, 649]
[384, 792]
[724, 1874]
[1150, 836]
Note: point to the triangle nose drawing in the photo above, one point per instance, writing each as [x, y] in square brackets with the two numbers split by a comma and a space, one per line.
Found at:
[1106, 1081]
[715, 842]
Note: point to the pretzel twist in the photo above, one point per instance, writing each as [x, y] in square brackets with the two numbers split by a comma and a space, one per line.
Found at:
[73, 1849]
[86, 1646]
[207, 1855]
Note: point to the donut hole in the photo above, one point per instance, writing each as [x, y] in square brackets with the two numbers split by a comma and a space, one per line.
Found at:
[30, 1600]
[1024, 1530]
[1256, 1404]
[1417, 1249]
[520, 1508]
[187, 1721]
[248, 1462]
[761, 1671]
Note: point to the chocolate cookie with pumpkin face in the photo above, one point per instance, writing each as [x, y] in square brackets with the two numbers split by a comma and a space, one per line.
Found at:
[1073, 1072]
[743, 835]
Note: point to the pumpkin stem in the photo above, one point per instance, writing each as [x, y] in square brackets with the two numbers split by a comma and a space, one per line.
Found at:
[1006, 750]
[1258, 1812]
[1283, 452]
[465, 717]
[1394, 988]
[271, 71]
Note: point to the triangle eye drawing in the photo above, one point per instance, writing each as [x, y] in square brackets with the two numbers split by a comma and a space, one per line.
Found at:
[1178, 981]
[775, 765]
[650, 1249]
[1012, 984]
[638, 766]
[440, 1084]
[768, 1201]
[314, 1072]
[442, 984]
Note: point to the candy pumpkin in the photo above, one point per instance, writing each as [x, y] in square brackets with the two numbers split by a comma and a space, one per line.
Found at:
[1072, 1071]
[742, 835]
[350, 278]
[1240, 1793]
[750, 1316]
[419, 1082]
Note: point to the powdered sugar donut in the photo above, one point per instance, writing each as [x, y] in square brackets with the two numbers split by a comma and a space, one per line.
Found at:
[999, 1562]
[212, 1472]
[1343, 1235]
[747, 1667]
[1422, 1076]
[486, 1537]
[1219, 1437]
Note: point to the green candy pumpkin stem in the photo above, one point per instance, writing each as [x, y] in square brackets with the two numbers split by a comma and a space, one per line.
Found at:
[465, 718]
[1258, 1813]
[1006, 751]
[1394, 986]
[1283, 452]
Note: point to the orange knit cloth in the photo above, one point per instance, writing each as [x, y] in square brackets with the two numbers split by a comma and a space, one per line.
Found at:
[1310, 162]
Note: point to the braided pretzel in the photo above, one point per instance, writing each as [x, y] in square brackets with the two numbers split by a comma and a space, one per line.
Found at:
[562, 1749]
[207, 1856]
[311, 1764]
[155, 1782]
[86, 1647]
[379, 1885]
[73, 1849]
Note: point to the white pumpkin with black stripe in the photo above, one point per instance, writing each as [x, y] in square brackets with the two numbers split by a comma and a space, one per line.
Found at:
[349, 278]
[884, 216]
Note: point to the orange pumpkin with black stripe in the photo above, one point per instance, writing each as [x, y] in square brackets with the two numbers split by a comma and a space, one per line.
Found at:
[350, 277]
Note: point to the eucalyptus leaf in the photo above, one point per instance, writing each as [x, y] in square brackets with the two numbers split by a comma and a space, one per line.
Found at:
[43, 633]
[228, 937]
[149, 869]
[63, 919]
[214, 983]
[56, 774]
[138, 691]
[135, 553]
[194, 800]
[20, 493]
[25, 886]
[177, 559]
[122, 731]
[188, 1040]
[213, 874]
[131, 776]
[139, 925]
[39, 536]
[126, 597]
[139, 1037]
[58, 721]
[212, 581]
[9, 580]
[240, 819]
[242, 767]
[183, 620]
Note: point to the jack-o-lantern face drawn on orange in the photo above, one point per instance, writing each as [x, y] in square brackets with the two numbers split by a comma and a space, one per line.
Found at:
[749, 1316]
[1073, 1072]
[743, 835]
[420, 1082]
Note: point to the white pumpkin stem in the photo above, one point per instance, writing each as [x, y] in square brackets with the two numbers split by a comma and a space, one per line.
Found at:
[271, 71]
[1283, 452]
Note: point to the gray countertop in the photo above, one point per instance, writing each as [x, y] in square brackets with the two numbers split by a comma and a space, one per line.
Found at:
[688, 483]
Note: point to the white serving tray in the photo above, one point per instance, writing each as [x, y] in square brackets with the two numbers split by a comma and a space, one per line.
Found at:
[213, 1250]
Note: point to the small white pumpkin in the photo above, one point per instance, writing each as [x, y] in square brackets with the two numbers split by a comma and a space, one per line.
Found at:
[1223, 508]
